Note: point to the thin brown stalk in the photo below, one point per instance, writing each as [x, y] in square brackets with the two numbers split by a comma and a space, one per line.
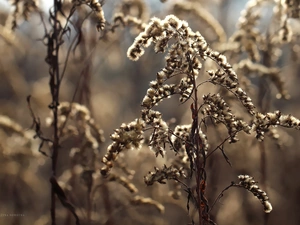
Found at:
[53, 47]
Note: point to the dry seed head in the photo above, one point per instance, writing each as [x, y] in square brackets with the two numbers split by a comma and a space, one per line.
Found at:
[180, 136]
[249, 183]
[245, 100]
[160, 175]
[123, 181]
[185, 88]
[172, 21]
[157, 94]
[289, 121]
[139, 200]
[158, 138]
[263, 122]
[222, 62]
[219, 110]
[128, 136]
[220, 78]
[183, 56]
[157, 31]
[97, 8]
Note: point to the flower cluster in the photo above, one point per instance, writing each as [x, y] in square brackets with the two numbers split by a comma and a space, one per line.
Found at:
[183, 58]
[157, 93]
[250, 184]
[160, 32]
[245, 100]
[97, 8]
[180, 136]
[219, 77]
[160, 134]
[128, 136]
[160, 175]
[218, 109]
[221, 60]
[229, 81]
[263, 122]
[185, 88]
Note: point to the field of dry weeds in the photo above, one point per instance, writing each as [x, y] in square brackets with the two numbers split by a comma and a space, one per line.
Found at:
[150, 112]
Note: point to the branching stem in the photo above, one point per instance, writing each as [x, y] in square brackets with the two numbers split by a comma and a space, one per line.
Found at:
[53, 57]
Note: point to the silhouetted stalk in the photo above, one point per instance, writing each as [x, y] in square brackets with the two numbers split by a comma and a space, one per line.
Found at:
[196, 143]
[53, 53]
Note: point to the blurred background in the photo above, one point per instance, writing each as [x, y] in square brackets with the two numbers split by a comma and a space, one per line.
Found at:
[100, 76]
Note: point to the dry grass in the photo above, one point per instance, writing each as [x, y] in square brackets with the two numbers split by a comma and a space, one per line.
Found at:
[207, 107]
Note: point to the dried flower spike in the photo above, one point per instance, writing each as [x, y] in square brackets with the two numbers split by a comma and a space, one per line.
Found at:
[128, 136]
[160, 175]
[250, 184]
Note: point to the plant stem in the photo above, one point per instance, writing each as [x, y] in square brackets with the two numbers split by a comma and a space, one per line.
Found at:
[196, 142]
[54, 87]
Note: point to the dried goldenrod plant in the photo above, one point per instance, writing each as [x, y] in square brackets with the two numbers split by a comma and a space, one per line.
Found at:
[187, 51]
[209, 106]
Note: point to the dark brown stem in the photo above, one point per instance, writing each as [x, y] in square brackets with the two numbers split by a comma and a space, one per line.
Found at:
[53, 53]
[196, 143]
